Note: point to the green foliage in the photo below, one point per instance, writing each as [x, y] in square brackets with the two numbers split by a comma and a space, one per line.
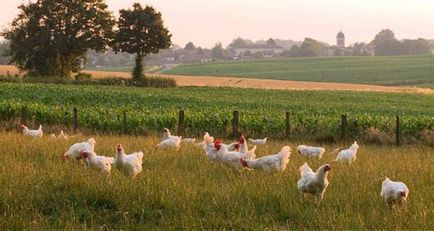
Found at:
[395, 71]
[386, 44]
[314, 114]
[312, 48]
[218, 52]
[83, 76]
[140, 31]
[50, 38]
[189, 46]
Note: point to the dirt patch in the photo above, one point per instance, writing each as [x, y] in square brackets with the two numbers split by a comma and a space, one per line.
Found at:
[255, 83]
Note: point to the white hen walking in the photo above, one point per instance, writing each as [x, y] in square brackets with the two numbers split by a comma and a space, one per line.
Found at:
[393, 192]
[348, 155]
[270, 164]
[32, 133]
[75, 150]
[102, 163]
[310, 152]
[313, 182]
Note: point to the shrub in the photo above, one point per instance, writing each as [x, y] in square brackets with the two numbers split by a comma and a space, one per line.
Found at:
[83, 76]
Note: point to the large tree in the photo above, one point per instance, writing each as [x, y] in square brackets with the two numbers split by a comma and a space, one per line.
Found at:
[51, 37]
[141, 31]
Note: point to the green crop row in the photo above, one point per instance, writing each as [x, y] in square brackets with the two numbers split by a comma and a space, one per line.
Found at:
[315, 114]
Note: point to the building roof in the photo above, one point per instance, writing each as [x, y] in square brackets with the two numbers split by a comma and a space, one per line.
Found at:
[259, 46]
[340, 35]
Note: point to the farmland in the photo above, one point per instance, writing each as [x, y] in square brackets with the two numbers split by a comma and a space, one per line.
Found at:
[314, 114]
[391, 71]
[184, 190]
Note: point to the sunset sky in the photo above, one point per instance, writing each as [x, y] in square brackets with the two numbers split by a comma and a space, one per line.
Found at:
[207, 22]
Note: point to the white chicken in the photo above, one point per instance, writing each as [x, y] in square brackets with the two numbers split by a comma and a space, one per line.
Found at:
[313, 182]
[348, 155]
[242, 144]
[167, 135]
[208, 146]
[270, 164]
[393, 192]
[130, 164]
[32, 133]
[258, 141]
[102, 163]
[232, 159]
[173, 142]
[75, 150]
[310, 152]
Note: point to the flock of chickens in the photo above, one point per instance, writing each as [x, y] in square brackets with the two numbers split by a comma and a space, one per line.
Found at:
[236, 156]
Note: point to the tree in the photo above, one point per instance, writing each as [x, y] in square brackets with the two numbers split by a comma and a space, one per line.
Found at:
[218, 52]
[311, 48]
[189, 46]
[271, 41]
[51, 37]
[293, 52]
[238, 42]
[141, 31]
[415, 47]
[382, 36]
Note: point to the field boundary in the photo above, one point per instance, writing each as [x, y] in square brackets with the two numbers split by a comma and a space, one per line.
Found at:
[235, 82]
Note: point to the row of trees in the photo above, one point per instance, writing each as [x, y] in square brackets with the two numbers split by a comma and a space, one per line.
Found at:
[51, 37]
[386, 44]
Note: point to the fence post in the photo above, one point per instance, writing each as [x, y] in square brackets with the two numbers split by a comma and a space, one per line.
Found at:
[124, 121]
[398, 131]
[24, 114]
[181, 116]
[344, 125]
[235, 122]
[287, 125]
[75, 119]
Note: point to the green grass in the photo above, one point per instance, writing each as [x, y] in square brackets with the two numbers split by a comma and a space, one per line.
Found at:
[313, 113]
[185, 191]
[396, 70]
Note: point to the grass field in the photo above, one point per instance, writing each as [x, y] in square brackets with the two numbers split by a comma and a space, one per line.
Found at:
[394, 71]
[185, 191]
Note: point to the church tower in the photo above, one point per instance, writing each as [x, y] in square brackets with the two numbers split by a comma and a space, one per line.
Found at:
[340, 40]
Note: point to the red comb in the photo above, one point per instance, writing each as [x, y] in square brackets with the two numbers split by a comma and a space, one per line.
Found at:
[217, 143]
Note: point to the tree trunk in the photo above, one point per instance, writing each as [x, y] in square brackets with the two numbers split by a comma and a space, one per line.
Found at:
[138, 69]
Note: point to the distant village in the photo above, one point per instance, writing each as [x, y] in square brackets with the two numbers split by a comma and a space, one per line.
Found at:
[243, 49]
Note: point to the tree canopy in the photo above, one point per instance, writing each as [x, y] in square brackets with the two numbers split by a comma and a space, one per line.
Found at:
[189, 46]
[141, 31]
[51, 37]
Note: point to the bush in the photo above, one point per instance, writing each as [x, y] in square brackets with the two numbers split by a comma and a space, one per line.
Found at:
[83, 76]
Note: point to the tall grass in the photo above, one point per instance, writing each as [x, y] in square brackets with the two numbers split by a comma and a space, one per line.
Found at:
[184, 190]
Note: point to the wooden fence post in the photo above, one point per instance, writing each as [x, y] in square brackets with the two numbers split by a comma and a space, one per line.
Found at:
[287, 125]
[124, 122]
[74, 119]
[181, 116]
[24, 114]
[398, 131]
[235, 122]
[344, 125]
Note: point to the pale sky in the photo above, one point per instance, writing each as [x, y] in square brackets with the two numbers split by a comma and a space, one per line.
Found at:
[205, 22]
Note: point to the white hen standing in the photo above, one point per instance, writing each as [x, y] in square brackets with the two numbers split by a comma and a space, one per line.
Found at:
[272, 163]
[393, 192]
[167, 135]
[32, 133]
[310, 152]
[170, 143]
[313, 182]
[75, 150]
[131, 164]
[348, 155]
[232, 159]
[102, 163]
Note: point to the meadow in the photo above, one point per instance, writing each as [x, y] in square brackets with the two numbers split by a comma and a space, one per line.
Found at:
[180, 190]
[391, 71]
